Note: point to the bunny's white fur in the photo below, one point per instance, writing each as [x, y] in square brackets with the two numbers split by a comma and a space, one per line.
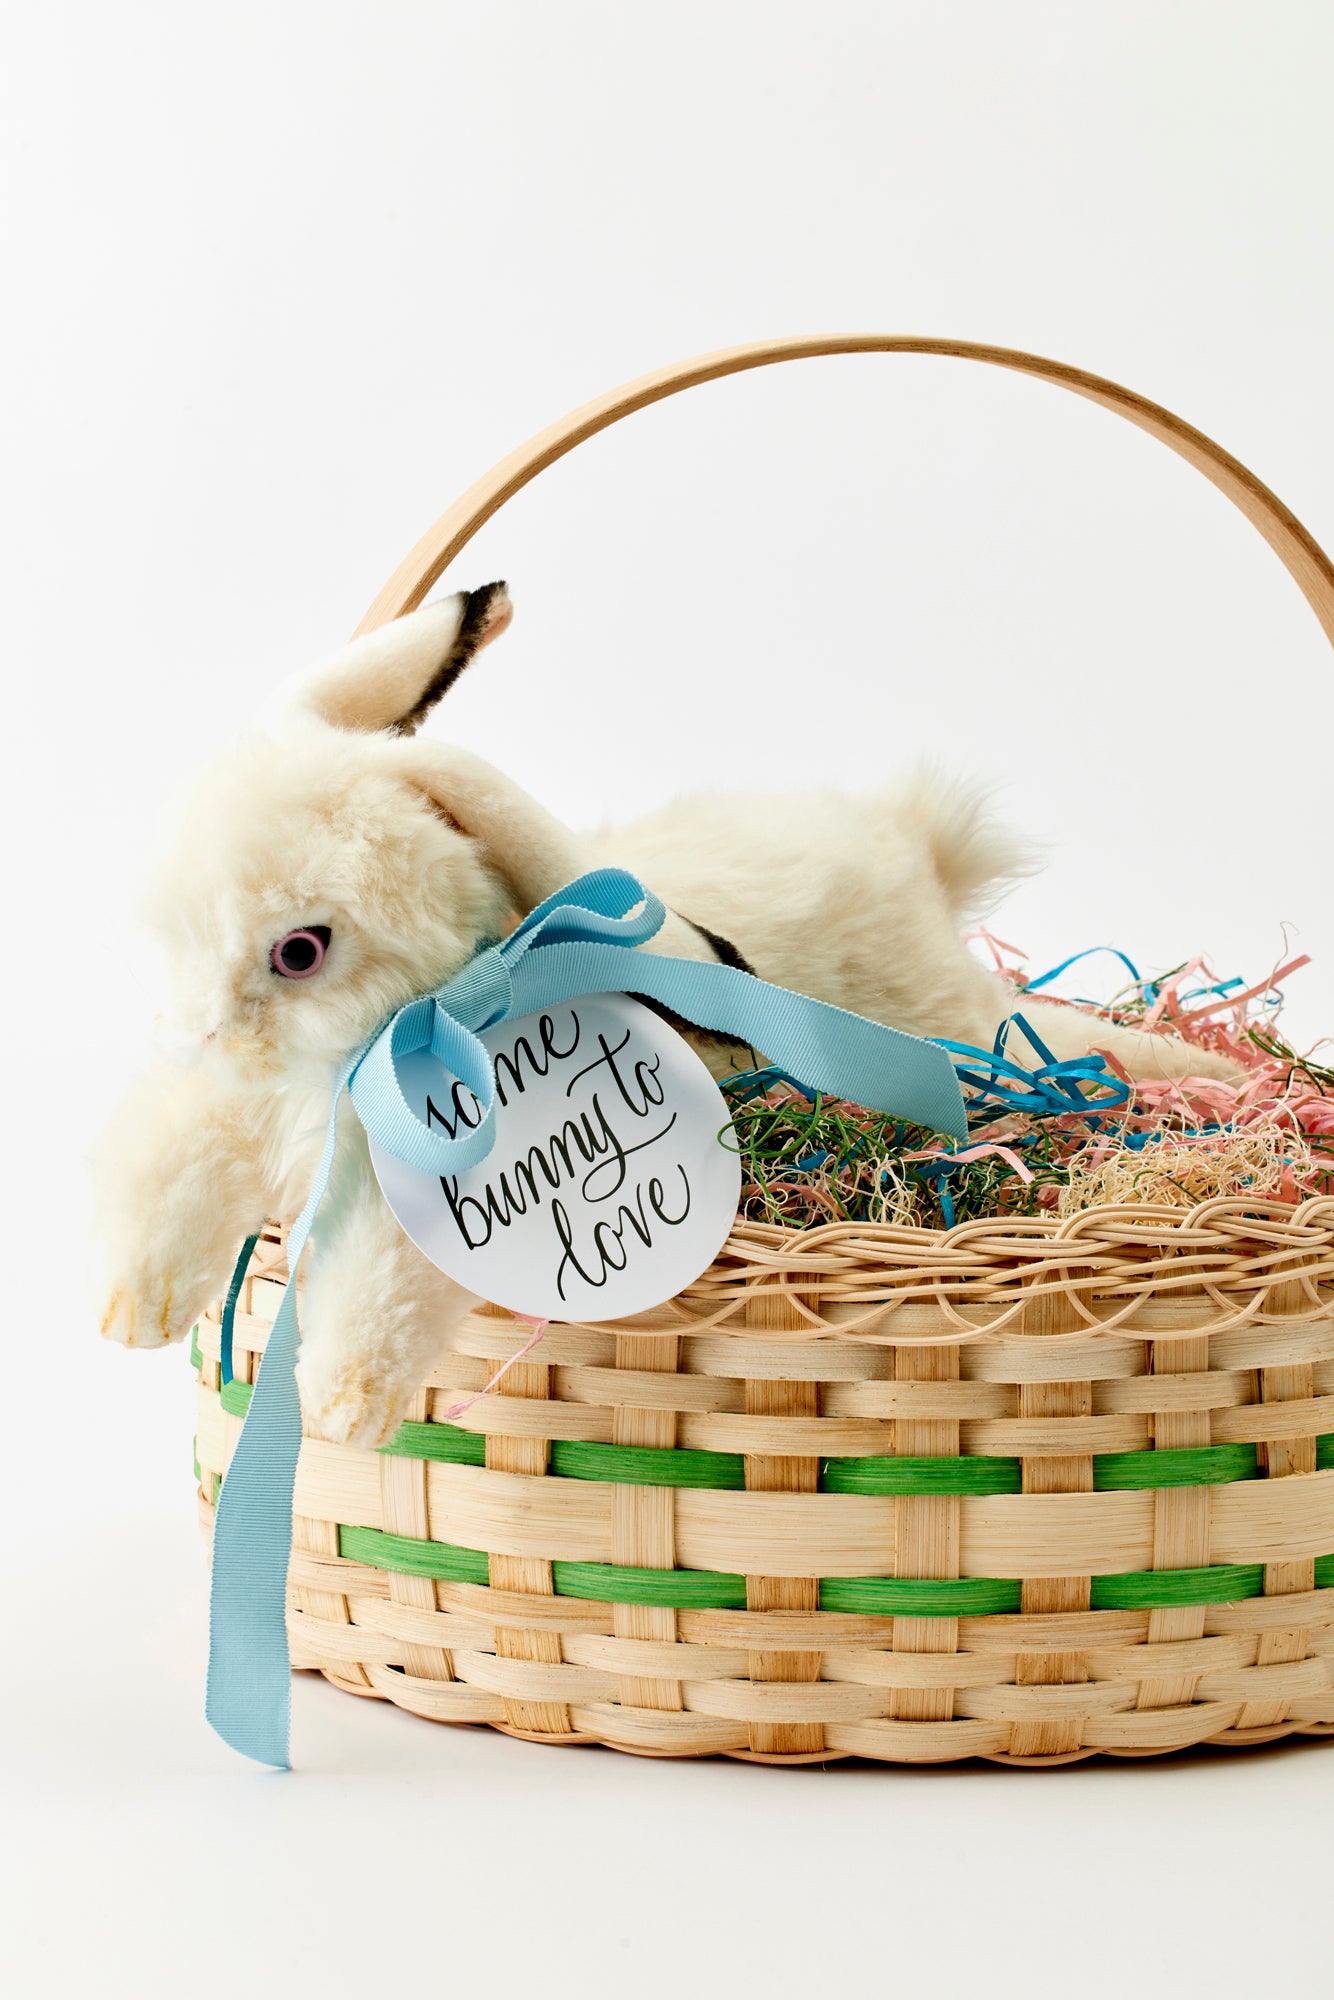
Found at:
[409, 853]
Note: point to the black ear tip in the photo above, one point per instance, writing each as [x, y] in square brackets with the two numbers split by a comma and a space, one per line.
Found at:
[486, 613]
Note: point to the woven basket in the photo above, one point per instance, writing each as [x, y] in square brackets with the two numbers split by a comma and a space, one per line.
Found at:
[1022, 1490]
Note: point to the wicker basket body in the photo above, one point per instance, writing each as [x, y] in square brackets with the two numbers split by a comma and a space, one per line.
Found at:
[1019, 1492]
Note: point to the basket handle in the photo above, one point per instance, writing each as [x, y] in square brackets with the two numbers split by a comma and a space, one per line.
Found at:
[1297, 550]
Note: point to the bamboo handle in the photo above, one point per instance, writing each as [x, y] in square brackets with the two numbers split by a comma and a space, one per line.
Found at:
[1299, 553]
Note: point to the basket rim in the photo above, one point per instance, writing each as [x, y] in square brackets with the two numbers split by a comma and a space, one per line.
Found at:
[1221, 1258]
[1131, 1223]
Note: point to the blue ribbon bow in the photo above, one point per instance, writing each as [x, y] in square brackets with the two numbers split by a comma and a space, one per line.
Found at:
[573, 943]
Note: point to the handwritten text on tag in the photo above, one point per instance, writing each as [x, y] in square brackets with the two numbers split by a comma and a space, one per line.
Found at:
[607, 1189]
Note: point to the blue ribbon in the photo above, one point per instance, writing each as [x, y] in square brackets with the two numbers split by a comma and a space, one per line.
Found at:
[574, 943]
[1149, 987]
[1093, 951]
[1051, 1089]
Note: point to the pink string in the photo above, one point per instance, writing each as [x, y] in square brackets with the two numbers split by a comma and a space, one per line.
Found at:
[1005, 1152]
[996, 946]
[539, 1327]
[979, 1152]
[1251, 992]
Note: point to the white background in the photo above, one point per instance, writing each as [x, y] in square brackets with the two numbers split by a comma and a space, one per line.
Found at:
[283, 279]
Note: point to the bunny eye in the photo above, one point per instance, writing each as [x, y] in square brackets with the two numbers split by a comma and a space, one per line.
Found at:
[301, 953]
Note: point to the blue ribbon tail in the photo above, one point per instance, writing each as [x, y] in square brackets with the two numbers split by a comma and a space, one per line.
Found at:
[249, 1699]
[249, 1679]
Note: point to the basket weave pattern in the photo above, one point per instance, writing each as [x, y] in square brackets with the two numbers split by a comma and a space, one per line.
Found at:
[1026, 1491]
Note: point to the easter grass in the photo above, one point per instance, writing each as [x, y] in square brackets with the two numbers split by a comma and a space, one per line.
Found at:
[1051, 1138]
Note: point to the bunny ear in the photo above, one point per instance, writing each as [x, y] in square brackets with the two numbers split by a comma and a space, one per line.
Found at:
[532, 852]
[390, 680]
[528, 847]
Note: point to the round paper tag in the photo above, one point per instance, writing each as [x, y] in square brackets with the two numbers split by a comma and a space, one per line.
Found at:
[608, 1187]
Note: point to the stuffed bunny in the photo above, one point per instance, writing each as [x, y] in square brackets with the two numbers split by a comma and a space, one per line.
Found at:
[334, 866]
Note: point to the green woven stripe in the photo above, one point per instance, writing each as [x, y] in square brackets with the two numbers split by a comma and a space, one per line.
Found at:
[1202, 1465]
[196, 1357]
[920, 1597]
[443, 1442]
[921, 1475]
[879, 1596]
[724, 1471]
[1152, 1589]
[648, 1465]
[194, 1448]
[407, 1556]
[617, 1583]
[235, 1397]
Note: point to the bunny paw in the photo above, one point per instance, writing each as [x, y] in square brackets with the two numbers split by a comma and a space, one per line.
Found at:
[145, 1309]
[349, 1405]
